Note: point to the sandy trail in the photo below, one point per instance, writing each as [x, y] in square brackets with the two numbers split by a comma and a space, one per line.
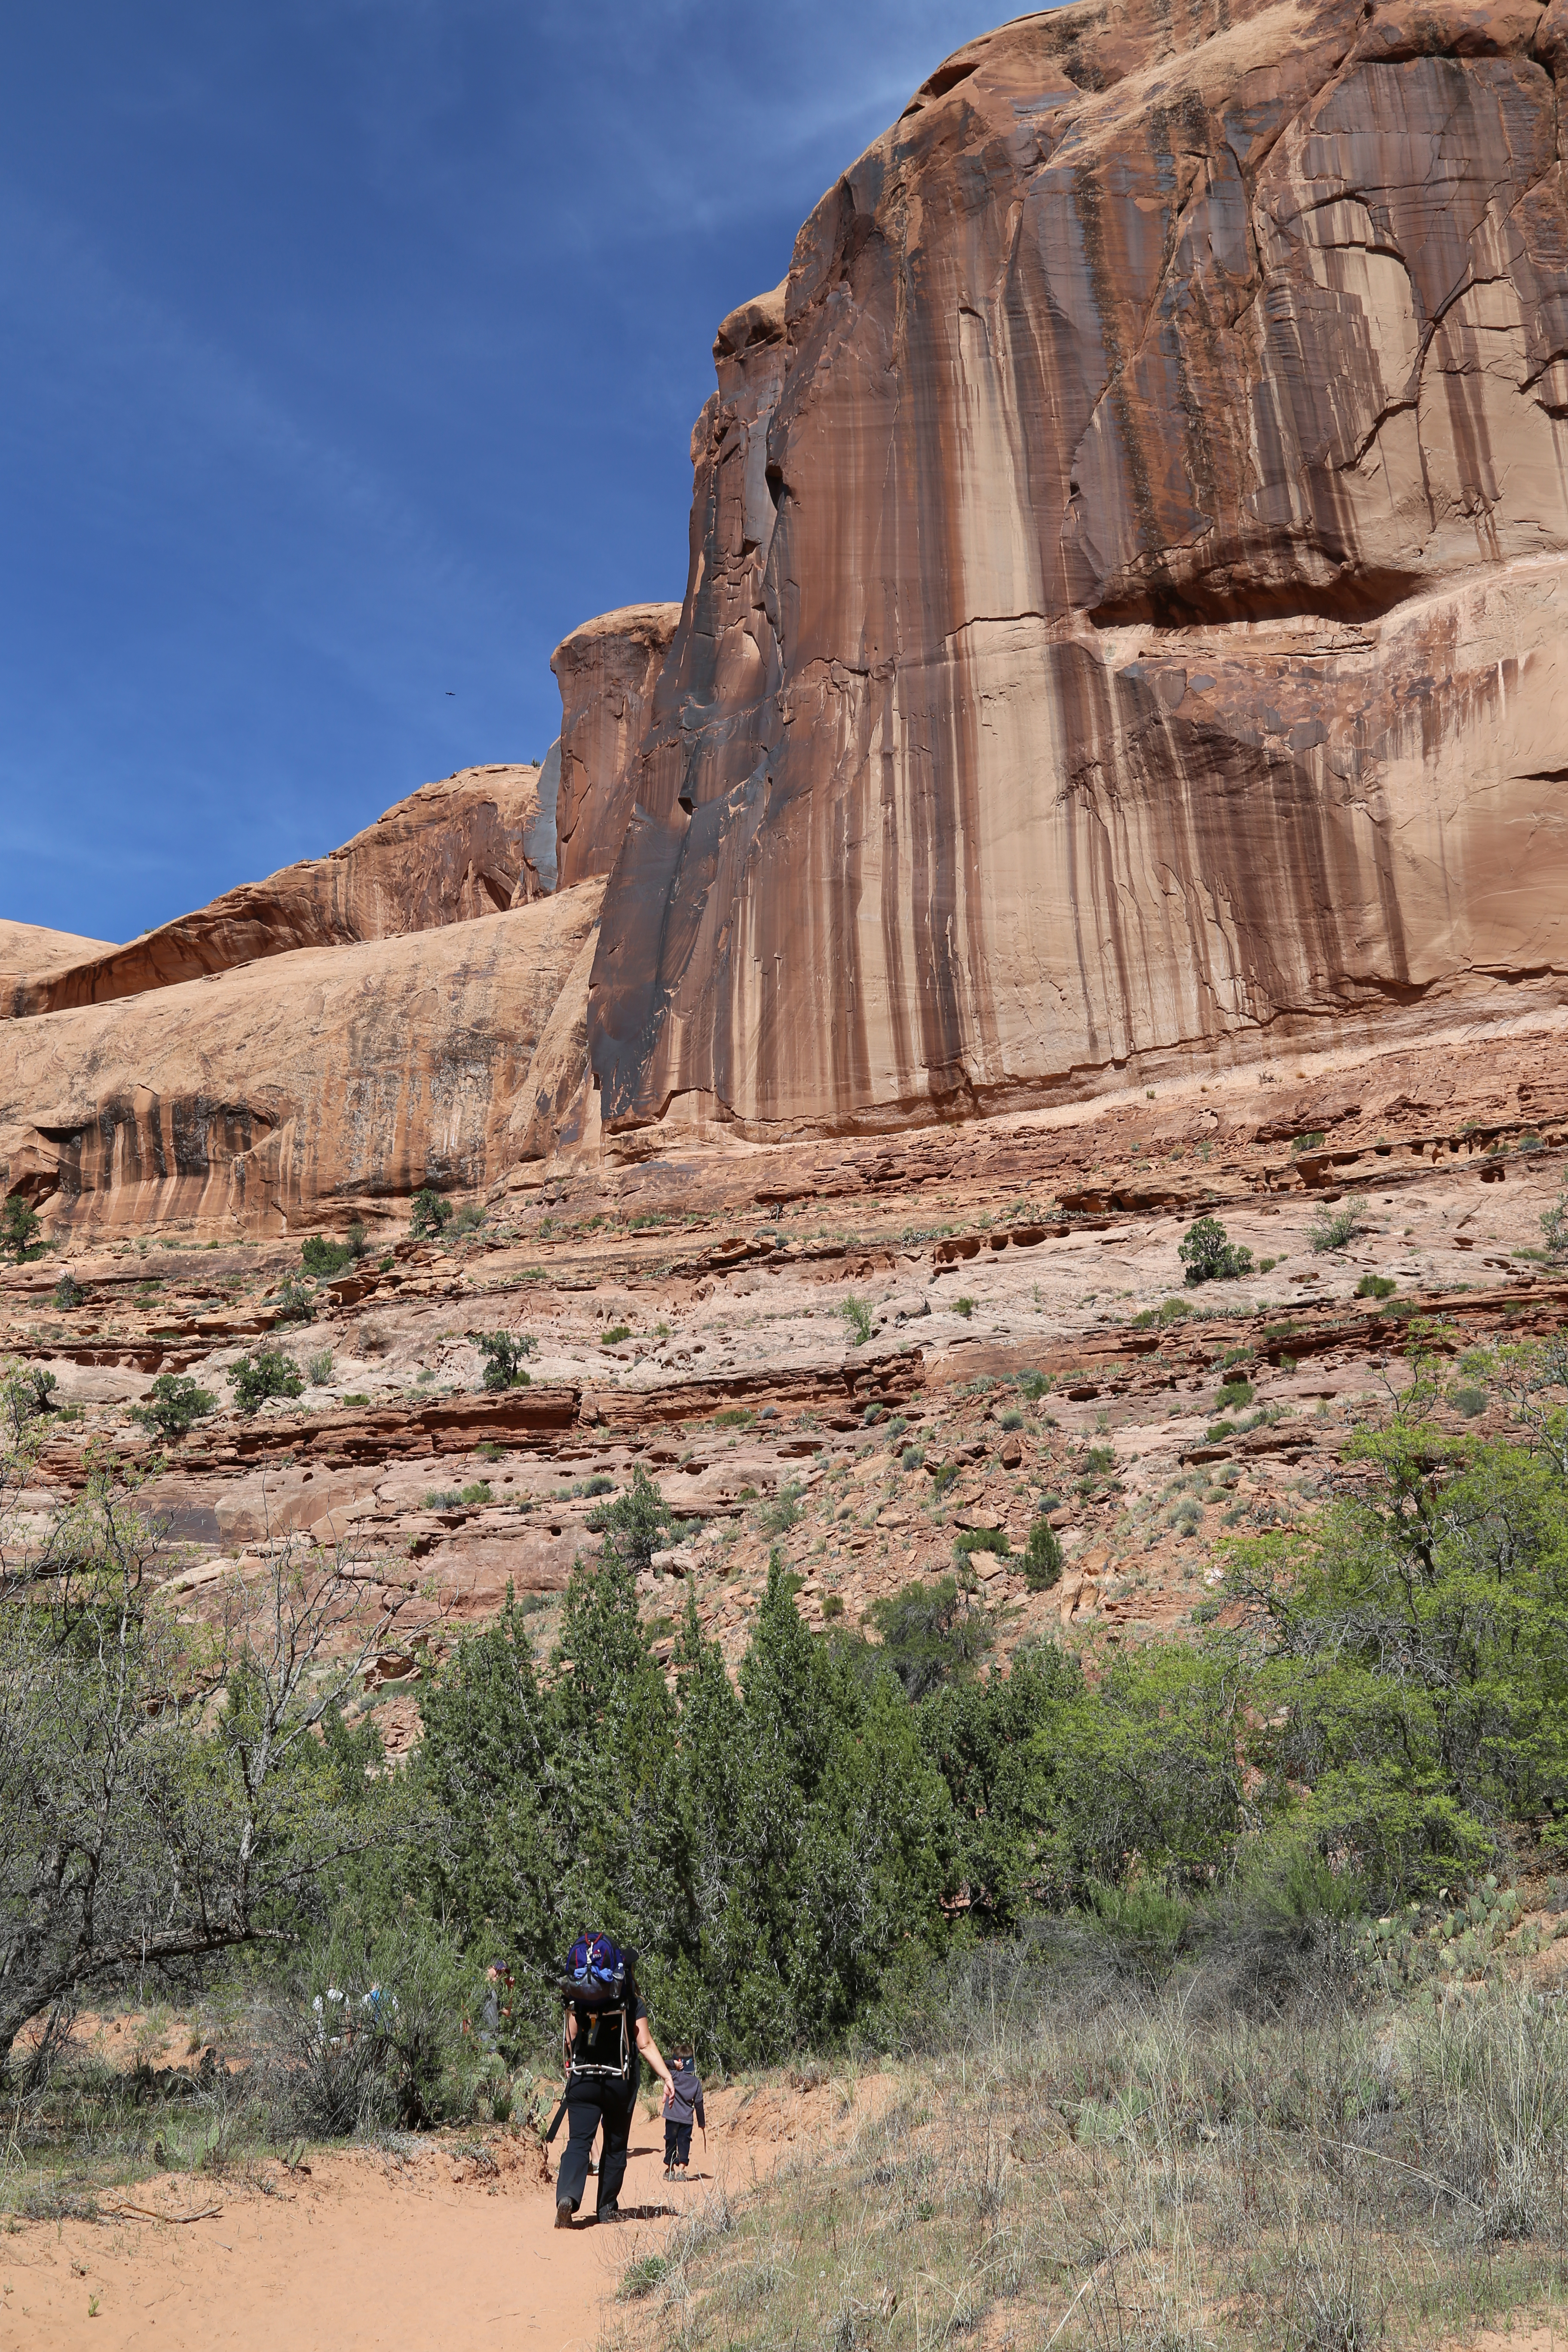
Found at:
[429, 2255]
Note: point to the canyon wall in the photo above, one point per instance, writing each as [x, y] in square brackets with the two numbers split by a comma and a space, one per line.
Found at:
[316, 1082]
[606, 671]
[453, 850]
[1129, 571]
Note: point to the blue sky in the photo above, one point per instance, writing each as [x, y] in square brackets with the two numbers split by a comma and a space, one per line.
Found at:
[351, 351]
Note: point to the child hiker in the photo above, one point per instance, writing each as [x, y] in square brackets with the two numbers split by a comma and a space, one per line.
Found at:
[681, 2101]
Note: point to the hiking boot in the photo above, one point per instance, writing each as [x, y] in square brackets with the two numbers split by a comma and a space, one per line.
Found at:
[563, 2214]
[608, 2213]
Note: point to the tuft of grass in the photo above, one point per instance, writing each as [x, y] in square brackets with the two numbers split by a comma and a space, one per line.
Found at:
[965, 1306]
[1337, 1232]
[1375, 1286]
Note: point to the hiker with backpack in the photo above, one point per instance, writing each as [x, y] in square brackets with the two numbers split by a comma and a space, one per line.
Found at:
[606, 2029]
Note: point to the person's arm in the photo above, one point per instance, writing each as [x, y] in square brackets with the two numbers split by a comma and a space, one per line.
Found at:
[701, 2118]
[568, 2035]
[650, 2049]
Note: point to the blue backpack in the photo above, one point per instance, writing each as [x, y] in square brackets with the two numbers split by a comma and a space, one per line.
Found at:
[596, 1973]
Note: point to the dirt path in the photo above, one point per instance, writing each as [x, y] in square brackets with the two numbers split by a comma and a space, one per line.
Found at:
[370, 2253]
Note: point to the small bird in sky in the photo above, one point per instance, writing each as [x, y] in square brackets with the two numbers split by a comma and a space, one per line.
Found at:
[451, 694]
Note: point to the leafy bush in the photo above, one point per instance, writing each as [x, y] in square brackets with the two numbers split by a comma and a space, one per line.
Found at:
[930, 1634]
[982, 1539]
[294, 1303]
[782, 1512]
[1042, 1556]
[69, 1293]
[173, 1405]
[321, 1257]
[615, 1335]
[503, 1352]
[1375, 1286]
[19, 1227]
[430, 1217]
[443, 1498]
[268, 1374]
[319, 1368]
[1169, 1311]
[1209, 1255]
[1554, 1226]
[1012, 1420]
[1234, 1395]
[857, 1313]
[1337, 1232]
[1308, 1142]
[477, 1491]
[965, 1306]
[469, 1219]
[1470, 1401]
[635, 1526]
[1099, 1459]
[911, 1457]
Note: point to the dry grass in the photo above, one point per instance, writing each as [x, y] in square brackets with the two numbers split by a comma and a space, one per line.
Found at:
[1099, 2170]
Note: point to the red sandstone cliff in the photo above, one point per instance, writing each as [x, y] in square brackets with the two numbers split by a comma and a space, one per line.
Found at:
[1129, 558]
[451, 851]
[606, 671]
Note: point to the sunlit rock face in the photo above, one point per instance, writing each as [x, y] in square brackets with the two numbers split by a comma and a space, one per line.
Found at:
[1128, 580]
[606, 671]
[473, 843]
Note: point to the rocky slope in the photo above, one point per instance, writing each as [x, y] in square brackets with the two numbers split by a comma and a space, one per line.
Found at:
[853, 1352]
[1125, 618]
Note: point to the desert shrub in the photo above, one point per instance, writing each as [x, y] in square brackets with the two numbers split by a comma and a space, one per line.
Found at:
[430, 1216]
[1012, 1420]
[268, 1374]
[1375, 1286]
[375, 2035]
[965, 1306]
[737, 1416]
[173, 1404]
[911, 1457]
[615, 1335]
[1209, 1255]
[1098, 1460]
[1470, 1401]
[319, 1368]
[782, 1512]
[1234, 1395]
[1169, 1311]
[1042, 1556]
[1337, 1232]
[636, 1524]
[930, 1634]
[832, 1604]
[503, 1352]
[943, 1478]
[478, 1491]
[69, 1293]
[1034, 1385]
[857, 1313]
[293, 1303]
[1554, 1226]
[19, 1227]
[1308, 1142]
[469, 1219]
[443, 1498]
[993, 1539]
[321, 1257]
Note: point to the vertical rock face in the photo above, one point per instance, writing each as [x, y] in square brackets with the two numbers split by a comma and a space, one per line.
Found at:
[1128, 577]
[606, 671]
[454, 850]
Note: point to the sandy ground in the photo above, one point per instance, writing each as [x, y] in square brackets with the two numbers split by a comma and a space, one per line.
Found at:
[372, 2252]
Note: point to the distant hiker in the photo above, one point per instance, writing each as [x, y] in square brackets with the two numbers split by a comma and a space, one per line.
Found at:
[682, 2101]
[496, 2004]
[605, 2027]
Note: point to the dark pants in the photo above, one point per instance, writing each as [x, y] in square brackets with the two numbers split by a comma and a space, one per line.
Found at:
[589, 2104]
[677, 2143]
